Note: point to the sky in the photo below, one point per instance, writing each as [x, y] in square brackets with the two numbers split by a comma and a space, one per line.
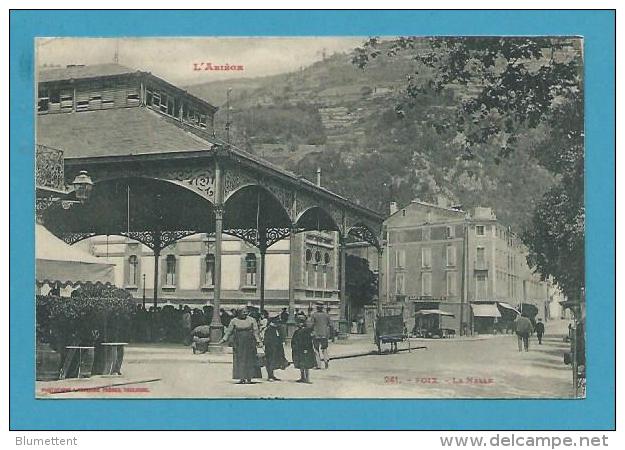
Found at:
[173, 58]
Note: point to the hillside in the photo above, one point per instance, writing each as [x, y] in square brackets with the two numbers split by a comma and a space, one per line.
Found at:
[340, 118]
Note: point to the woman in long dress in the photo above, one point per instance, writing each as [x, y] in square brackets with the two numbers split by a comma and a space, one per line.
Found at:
[243, 331]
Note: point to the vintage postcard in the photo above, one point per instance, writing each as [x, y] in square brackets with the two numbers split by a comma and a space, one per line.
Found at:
[310, 217]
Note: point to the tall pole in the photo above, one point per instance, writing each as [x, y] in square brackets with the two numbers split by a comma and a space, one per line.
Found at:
[263, 251]
[228, 115]
[216, 328]
[291, 273]
[380, 262]
[463, 294]
[143, 291]
[343, 293]
[157, 255]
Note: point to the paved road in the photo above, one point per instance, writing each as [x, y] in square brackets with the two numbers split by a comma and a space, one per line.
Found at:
[488, 367]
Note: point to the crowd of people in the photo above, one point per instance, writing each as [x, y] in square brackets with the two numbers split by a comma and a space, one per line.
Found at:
[167, 323]
[259, 341]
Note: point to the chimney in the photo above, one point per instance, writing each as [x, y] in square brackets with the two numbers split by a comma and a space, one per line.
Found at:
[319, 176]
[393, 208]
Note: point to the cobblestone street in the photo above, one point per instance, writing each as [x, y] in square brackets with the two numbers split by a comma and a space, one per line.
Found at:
[478, 367]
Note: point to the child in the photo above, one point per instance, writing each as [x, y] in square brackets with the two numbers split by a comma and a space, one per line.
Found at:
[303, 353]
[274, 351]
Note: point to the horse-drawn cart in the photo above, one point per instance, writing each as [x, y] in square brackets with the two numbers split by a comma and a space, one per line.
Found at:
[390, 330]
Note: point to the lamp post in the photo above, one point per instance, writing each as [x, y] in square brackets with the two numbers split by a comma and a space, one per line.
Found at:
[83, 186]
[144, 291]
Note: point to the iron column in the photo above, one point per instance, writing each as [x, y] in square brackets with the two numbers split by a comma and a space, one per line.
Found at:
[216, 328]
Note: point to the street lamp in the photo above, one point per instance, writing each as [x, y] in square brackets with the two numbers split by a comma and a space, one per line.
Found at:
[82, 186]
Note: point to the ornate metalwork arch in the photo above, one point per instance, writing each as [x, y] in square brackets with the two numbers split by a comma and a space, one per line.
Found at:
[237, 178]
[306, 202]
[363, 233]
[255, 238]
[72, 238]
[160, 241]
[200, 180]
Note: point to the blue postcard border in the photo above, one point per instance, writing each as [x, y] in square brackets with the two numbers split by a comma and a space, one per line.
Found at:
[596, 412]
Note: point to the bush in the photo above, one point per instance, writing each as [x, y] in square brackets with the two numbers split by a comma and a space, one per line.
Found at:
[93, 314]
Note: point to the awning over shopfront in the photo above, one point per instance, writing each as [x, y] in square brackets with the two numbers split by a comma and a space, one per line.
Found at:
[433, 312]
[485, 310]
[59, 263]
[508, 307]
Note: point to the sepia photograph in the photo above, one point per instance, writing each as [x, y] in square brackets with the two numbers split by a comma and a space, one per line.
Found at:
[332, 217]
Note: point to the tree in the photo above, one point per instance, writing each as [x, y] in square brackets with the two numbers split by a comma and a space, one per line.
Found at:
[556, 236]
[505, 86]
[506, 81]
[360, 282]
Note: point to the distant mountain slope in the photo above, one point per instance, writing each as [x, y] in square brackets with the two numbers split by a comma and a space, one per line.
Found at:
[335, 116]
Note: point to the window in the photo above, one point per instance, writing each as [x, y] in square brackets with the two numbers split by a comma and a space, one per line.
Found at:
[426, 257]
[308, 255]
[250, 269]
[326, 258]
[316, 276]
[400, 287]
[209, 270]
[426, 234]
[133, 272]
[480, 287]
[481, 253]
[54, 101]
[449, 232]
[170, 273]
[451, 255]
[132, 98]
[479, 230]
[426, 284]
[43, 100]
[451, 284]
[67, 99]
[400, 259]
[156, 99]
[317, 257]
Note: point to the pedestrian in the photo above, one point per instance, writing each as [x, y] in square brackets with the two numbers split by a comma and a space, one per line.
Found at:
[321, 332]
[284, 315]
[243, 330]
[186, 325]
[200, 338]
[361, 323]
[263, 323]
[302, 350]
[540, 331]
[523, 330]
[224, 317]
[274, 349]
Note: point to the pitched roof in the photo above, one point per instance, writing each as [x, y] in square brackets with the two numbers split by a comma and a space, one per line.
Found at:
[115, 132]
[79, 71]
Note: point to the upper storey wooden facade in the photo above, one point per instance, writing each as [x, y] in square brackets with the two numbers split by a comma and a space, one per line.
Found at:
[76, 89]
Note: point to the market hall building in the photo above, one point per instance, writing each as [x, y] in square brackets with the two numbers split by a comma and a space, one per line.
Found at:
[151, 150]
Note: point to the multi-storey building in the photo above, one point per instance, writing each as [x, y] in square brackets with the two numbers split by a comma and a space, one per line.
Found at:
[187, 270]
[464, 263]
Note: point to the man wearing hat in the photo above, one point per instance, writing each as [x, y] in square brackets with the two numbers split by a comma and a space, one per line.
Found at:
[321, 332]
[540, 330]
